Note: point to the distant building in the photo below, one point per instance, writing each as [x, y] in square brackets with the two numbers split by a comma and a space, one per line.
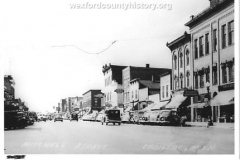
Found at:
[74, 102]
[91, 101]
[144, 74]
[113, 90]
[9, 91]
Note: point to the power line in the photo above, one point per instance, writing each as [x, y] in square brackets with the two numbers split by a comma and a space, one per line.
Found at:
[87, 51]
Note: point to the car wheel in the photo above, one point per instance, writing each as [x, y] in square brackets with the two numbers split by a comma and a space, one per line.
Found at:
[62, 120]
[119, 124]
[113, 123]
[106, 123]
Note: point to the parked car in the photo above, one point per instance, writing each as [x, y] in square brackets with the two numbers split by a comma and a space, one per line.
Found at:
[100, 116]
[93, 116]
[58, 118]
[145, 119]
[86, 117]
[136, 117]
[42, 117]
[112, 116]
[169, 117]
[74, 116]
[126, 117]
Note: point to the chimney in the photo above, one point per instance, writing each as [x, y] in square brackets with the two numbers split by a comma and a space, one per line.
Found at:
[147, 65]
[214, 3]
[192, 16]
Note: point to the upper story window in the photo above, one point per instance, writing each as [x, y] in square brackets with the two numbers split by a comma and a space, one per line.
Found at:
[175, 62]
[187, 57]
[230, 32]
[201, 46]
[176, 82]
[181, 80]
[201, 80]
[223, 36]
[136, 95]
[181, 60]
[207, 43]
[231, 73]
[215, 40]
[196, 81]
[196, 48]
[214, 75]
[224, 74]
[188, 78]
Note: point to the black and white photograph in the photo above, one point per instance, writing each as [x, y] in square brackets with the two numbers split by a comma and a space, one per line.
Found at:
[120, 77]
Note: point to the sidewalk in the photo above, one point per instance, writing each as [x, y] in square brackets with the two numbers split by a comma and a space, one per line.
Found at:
[215, 125]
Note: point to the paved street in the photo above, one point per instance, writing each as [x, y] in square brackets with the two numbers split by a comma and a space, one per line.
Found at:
[91, 137]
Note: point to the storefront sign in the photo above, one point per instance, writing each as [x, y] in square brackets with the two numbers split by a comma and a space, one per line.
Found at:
[226, 87]
[190, 93]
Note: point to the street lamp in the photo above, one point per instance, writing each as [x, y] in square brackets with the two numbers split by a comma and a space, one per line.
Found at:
[210, 123]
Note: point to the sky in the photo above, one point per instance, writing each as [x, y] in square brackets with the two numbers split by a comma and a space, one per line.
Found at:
[45, 72]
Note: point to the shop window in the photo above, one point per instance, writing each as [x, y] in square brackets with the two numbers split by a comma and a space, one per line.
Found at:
[223, 36]
[207, 43]
[196, 48]
[201, 46]
[224, 75]
[214, 40]
[230, 32]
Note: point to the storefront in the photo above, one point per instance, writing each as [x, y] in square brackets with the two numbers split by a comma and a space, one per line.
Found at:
[224, 103]
[180, 103]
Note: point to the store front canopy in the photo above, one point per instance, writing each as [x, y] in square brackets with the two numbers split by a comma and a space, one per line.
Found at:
[129, 108]
[197, 105]
[148, 108]
[159, 105]
[223, 98]
[176, 101]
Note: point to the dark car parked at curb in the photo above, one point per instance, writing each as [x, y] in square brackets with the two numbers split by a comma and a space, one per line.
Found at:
[74, 116]
[58, 118]
[169, 117]
[112, 116]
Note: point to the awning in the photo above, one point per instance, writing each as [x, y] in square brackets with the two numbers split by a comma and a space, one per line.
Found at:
[176, 101]
[223, 98]
[197, 105]
[159, 105]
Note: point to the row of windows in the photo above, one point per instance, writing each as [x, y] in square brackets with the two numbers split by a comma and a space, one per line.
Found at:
[227, 76]
[181, 60]
[163, 91]
[199, 45]
[179, 81]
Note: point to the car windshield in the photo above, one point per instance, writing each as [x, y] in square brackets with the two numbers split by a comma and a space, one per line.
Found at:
[165, 113]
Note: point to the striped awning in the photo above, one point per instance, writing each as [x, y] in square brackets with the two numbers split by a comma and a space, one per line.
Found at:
[223, 98]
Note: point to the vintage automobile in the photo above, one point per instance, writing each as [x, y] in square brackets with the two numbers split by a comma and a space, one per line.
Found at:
[86, 117]
[42, 117]
[93, 116]
[100, 116]
[169, 117]
[126, 117]
[112, 116]
[136, 116]
[74, 116]
[58, 117]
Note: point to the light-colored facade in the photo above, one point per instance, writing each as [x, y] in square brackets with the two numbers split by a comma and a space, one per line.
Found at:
[165, 87]
[212, 35]
[113, 88]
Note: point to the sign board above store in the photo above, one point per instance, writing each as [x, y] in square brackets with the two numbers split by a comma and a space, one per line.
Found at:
[119, 90]
[190, 93]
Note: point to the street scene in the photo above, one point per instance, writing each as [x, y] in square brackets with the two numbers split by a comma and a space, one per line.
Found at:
[120, 78]
[90, 138]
